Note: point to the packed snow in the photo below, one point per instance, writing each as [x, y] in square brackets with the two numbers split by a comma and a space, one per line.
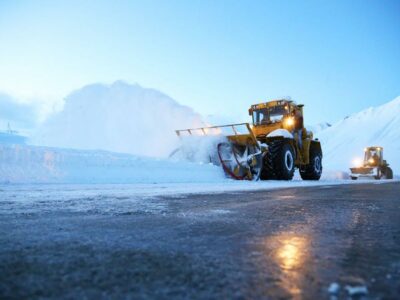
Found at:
[30, 164]
[281, 132]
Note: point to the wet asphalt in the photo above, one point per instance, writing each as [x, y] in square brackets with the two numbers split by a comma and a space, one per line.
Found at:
[277, 244]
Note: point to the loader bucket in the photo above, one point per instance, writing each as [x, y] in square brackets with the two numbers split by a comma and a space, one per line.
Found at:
[362, 170]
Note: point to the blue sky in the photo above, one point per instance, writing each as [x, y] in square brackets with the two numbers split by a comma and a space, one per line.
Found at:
[337, 57]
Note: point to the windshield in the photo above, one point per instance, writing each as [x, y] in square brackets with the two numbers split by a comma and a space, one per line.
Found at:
[373, 156]
[269, 115]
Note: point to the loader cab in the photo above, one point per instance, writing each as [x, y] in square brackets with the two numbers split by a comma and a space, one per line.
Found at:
[271, 115]
[277, 114]
[373, 156]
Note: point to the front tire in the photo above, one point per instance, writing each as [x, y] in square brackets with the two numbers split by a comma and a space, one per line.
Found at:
[313, 170]
[389, 173]
[284, 162]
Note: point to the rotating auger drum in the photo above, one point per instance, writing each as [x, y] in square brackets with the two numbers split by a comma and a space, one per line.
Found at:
[241, 162]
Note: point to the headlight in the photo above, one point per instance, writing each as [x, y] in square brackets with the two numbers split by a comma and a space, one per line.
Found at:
[371, 160]
[289, 122]
[357, 162]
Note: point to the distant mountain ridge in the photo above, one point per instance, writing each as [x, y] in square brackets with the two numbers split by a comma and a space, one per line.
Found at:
[318, 127]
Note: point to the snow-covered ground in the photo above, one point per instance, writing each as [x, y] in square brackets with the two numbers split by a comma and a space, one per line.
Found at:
[99, 173]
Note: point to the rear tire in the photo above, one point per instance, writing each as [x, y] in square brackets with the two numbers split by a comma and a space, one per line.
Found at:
[313, 170]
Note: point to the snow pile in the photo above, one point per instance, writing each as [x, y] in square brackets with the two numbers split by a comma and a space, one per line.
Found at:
[30, 164]
[280, 132]
[346, 140]
[119, 117]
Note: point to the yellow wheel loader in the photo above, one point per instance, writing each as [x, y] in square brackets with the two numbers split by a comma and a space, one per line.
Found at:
[373, 165]
[272, 147]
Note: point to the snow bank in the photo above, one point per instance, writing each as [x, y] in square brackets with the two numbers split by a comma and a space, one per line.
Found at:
[30, 164]
[120, 118]
[346, 140]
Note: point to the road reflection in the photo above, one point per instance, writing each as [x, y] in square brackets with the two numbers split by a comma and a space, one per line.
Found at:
[289, 253]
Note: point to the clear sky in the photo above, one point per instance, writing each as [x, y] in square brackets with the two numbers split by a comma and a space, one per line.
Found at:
[337, 57]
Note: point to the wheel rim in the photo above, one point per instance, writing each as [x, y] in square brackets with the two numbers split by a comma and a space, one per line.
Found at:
[317, 165]
[289, 160]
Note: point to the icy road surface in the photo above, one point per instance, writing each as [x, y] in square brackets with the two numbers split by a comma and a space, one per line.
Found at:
[137, 242]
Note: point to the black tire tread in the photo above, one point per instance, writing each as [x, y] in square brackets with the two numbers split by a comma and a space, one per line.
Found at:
[272, 162]
[308, 172]
[389, 173]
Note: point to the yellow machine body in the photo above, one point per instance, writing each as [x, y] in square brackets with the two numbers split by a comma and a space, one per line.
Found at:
[291, 119]
[373, 165]
[274, 122]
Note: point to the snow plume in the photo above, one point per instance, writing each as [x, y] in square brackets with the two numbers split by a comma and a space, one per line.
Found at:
[120, 117]
[199, 149]
[375, 126]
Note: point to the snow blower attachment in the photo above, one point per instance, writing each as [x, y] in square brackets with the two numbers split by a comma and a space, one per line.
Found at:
[239, 152]
[374, 166]
[271, 148]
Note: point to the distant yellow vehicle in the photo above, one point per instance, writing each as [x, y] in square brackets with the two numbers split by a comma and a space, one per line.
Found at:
[373, 165]
[271, 147]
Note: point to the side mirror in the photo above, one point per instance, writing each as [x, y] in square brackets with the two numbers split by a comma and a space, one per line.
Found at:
[250, 111]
